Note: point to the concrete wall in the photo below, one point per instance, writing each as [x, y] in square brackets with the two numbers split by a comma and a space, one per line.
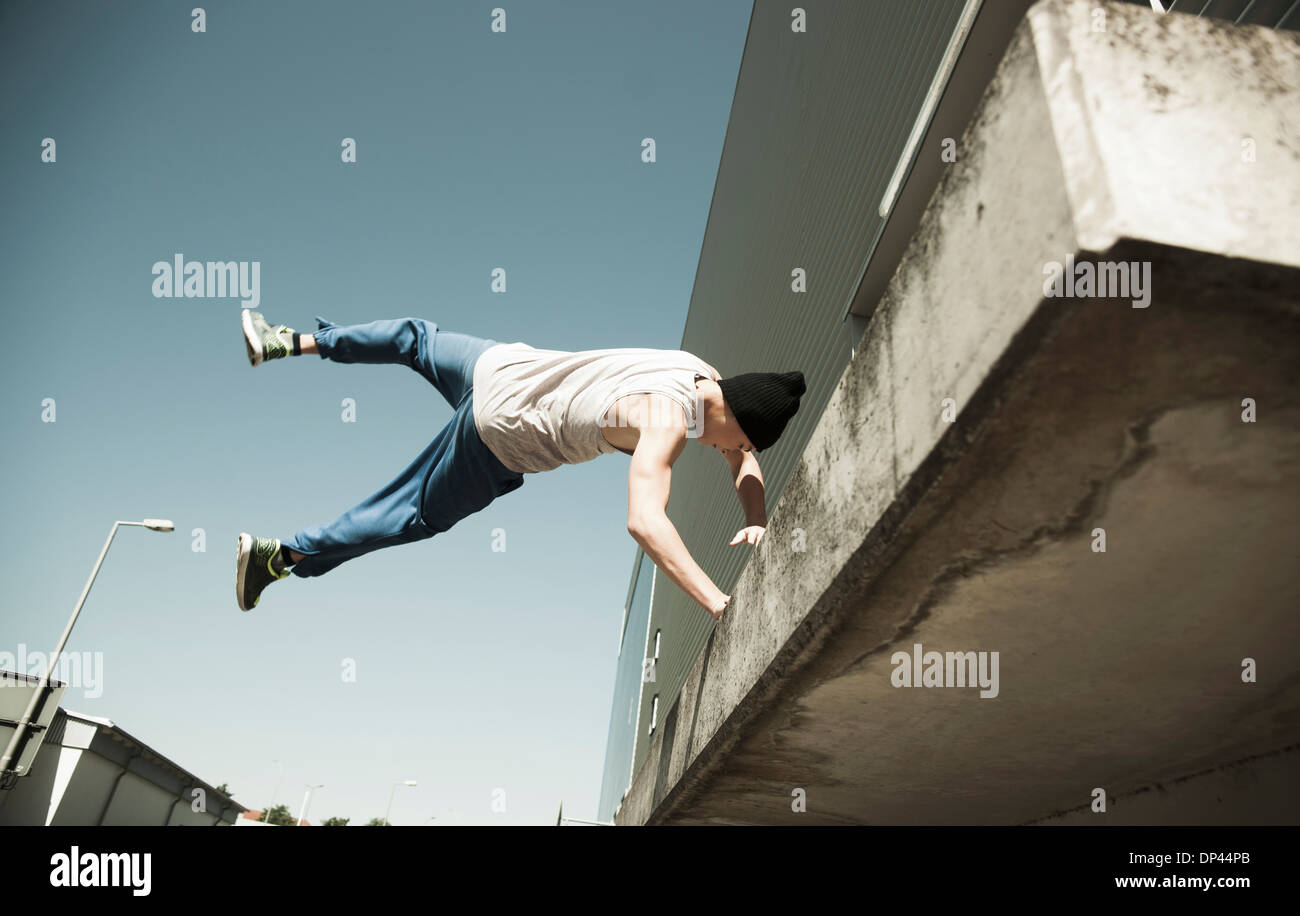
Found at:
[956, 489]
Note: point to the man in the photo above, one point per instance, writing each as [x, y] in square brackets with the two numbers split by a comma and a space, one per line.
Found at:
[520, 410]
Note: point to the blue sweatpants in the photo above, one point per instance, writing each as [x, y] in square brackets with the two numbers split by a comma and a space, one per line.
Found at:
[455, 476]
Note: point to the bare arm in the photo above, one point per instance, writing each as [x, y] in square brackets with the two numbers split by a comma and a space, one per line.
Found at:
[748, 480]
[648, 483]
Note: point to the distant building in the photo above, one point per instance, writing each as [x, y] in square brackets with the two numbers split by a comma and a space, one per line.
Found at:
[90, 772]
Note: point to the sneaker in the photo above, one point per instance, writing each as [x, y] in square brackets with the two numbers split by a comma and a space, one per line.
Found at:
[264, 341]
[258, 564]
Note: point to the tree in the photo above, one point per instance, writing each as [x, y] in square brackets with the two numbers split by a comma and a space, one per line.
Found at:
[335, 822]
[378, 822]
[278, 816]
[224, 789]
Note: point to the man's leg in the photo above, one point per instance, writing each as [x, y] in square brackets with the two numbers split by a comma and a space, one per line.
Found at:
[454, 477]
[390, 517]
[395, 515]
[390, 341]
[467, 478]
[445, 358]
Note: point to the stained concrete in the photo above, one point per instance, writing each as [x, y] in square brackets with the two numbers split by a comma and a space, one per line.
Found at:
[972, 524]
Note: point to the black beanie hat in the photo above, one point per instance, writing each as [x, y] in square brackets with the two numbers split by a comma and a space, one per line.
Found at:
[763, 402]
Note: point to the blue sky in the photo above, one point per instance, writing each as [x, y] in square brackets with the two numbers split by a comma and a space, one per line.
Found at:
[477, 671]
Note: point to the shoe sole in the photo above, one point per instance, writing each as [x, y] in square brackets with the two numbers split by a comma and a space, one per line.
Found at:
[251, 340]
[243, 558]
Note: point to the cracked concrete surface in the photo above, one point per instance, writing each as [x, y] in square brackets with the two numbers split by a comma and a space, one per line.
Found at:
[1118, 669]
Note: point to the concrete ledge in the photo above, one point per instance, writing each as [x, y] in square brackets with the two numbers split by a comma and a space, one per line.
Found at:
[1149, 119]
[983, 433]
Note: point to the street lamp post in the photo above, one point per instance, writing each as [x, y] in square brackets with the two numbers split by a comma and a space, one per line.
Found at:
[267, 813]
[38, 697]
[408, 782]
[303, 813]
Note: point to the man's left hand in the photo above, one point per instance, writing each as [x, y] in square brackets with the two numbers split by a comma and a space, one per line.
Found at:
[753, 534]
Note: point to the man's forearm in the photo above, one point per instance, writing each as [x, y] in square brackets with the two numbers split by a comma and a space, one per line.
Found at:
[750, 493]
[660, 540]
[749, 490]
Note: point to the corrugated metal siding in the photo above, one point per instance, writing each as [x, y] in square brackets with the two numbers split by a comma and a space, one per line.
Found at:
[817, 125]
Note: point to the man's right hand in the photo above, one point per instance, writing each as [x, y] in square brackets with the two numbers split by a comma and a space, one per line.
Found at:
[719, 607]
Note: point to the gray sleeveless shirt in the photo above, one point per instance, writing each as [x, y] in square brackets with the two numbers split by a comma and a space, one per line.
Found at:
[537, 409]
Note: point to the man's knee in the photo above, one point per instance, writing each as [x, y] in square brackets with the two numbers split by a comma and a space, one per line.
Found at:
[423, 527]
[420, 334]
